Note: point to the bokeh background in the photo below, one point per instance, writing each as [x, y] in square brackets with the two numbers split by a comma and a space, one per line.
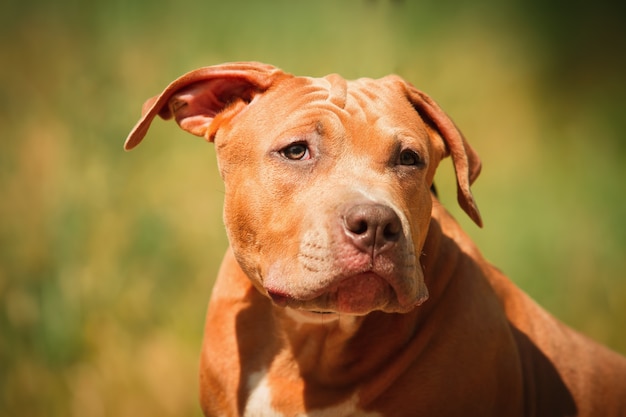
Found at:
[107, 258]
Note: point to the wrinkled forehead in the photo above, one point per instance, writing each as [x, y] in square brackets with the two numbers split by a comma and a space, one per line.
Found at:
[353, 96]
[363, 102]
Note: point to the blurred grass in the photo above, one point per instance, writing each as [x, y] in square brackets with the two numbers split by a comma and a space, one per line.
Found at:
[107, 258]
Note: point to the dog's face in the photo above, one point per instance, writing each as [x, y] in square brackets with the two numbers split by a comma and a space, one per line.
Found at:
[327, 182]
[306, 160]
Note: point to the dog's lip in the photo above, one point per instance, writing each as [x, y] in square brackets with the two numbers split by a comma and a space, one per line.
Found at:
[334, 298]
[305, 316]
[279, 298]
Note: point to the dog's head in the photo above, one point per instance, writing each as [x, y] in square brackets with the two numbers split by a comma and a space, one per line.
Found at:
[327, 181]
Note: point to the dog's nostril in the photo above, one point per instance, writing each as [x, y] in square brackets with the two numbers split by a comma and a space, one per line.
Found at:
[360, 228]
[356, 221]
[392, 230]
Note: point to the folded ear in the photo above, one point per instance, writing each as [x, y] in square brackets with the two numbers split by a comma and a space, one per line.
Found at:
[465, 160]
[196, 98]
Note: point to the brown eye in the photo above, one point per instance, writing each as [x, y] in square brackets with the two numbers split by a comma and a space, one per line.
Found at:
[409, 157]
[296, 152]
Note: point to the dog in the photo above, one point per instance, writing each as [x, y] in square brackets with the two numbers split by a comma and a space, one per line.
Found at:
[347, 289]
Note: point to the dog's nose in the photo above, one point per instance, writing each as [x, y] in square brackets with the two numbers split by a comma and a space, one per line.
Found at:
[372, 227]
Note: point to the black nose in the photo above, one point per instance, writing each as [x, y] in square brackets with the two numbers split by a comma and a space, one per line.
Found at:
[372, 227]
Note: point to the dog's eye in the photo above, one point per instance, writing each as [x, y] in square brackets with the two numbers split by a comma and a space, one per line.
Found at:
[296, 152]
[409, 157]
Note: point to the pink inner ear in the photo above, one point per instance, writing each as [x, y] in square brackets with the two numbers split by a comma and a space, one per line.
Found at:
[195, 107]
[198, 98]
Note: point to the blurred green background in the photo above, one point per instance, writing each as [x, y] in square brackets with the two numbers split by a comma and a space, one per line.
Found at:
[107, 258]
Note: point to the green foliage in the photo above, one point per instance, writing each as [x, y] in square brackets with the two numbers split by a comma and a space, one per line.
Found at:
[107, 258]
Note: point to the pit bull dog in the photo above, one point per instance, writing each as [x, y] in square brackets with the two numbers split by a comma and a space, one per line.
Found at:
[348, 290]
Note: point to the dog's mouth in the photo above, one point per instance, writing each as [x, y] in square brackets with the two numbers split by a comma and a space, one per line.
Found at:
[358, 295]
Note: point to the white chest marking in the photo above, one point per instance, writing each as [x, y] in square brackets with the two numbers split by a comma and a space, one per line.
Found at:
[260, 403]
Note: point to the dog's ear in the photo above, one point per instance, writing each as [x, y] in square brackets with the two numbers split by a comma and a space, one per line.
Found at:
[465, 160]
[196, 99]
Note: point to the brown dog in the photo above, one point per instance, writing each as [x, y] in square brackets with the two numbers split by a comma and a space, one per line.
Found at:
[348, 290]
